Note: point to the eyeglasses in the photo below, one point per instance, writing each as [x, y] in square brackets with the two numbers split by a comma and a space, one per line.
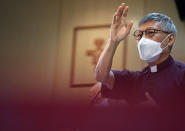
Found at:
[148, 32]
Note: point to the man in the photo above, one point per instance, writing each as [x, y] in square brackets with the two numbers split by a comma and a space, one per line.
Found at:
[162, 82]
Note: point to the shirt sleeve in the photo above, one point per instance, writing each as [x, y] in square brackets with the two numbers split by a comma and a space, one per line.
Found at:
[124, 86]
[183, 80]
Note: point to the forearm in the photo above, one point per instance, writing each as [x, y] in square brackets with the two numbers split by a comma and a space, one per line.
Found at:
[118, 32]
[104, 64]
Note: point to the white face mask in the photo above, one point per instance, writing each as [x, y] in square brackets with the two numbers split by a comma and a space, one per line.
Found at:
[150, 50]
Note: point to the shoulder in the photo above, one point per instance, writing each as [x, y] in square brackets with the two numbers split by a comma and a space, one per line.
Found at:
[180, 65]
[180, 68]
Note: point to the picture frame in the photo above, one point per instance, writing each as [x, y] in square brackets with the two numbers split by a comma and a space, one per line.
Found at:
[88, 43]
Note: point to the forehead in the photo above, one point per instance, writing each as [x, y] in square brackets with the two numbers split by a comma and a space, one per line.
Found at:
[150, 24]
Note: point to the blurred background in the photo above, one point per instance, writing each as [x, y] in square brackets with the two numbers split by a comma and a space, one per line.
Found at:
[36, 44]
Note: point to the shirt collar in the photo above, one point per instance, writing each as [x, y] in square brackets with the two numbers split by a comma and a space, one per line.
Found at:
[160, 66]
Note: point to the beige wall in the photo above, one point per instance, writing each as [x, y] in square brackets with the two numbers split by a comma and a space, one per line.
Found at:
[36, 43]
[28, 35]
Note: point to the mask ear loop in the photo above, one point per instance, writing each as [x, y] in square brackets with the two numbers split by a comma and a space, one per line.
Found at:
[164, 40]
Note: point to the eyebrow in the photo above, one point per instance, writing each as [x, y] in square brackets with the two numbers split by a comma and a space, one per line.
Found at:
[149, 28]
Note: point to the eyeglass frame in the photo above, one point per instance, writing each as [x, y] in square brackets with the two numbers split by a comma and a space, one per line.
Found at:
[155, 31]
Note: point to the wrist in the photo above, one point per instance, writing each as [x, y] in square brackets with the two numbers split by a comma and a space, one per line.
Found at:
[113, 43]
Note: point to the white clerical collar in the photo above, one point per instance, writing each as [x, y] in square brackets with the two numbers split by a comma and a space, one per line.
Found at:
[153, 68]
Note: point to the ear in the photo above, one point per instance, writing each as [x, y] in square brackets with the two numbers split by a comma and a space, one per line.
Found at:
[171, 40]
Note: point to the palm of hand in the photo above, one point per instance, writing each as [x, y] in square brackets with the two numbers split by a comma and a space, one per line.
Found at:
[119, 30]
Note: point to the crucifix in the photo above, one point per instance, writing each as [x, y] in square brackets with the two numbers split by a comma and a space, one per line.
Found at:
[95, 53]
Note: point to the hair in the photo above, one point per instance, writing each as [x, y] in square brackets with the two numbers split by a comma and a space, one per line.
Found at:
[164, 21]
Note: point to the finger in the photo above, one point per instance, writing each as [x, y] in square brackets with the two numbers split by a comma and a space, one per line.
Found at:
[120, 9]
[119, 12]
[125, 11]
[124, 15]
[117, 18]
[114, 19]
[92, 94]
[149, 98]
[129, 26]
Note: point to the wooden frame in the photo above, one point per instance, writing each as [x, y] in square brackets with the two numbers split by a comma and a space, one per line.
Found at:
[83, 36]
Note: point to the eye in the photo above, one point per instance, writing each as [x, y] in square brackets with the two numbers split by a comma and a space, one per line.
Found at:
[150, 33]
[139, 36]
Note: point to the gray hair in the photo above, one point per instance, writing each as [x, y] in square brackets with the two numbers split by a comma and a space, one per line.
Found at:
[164, 21]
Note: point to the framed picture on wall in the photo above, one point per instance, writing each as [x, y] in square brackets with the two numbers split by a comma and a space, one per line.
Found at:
[88, 43]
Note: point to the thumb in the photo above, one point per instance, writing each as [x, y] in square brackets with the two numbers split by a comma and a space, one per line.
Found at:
[150, 99]
[129, 26]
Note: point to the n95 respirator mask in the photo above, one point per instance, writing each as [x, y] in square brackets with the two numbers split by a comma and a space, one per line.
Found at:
[150, 50]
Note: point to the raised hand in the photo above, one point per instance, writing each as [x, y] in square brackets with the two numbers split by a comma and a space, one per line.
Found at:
[119, 28]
